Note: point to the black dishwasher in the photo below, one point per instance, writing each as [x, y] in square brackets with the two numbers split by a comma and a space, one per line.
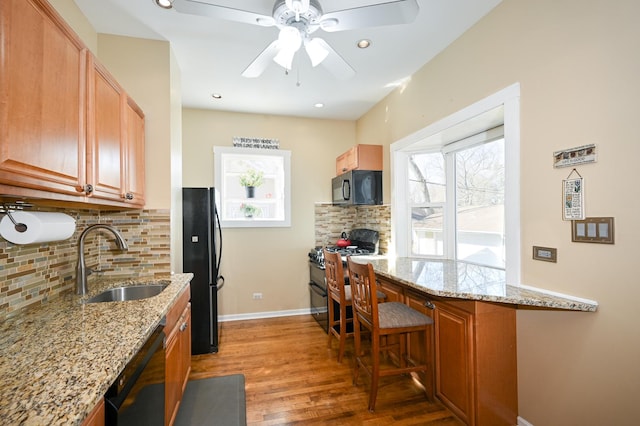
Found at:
[137, 395]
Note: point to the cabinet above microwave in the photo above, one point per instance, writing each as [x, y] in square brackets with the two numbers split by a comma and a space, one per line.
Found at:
[360, 157]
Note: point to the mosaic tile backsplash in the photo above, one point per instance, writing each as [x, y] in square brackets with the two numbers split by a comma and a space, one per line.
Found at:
[34, 273]
[332, 220]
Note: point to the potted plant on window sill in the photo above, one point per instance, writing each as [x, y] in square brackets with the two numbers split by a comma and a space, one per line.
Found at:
[251, 179]
[250, 211]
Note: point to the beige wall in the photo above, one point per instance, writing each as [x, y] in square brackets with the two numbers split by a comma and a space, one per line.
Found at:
[80, 24]
[271, 261]
[143, 68]
[578, 65]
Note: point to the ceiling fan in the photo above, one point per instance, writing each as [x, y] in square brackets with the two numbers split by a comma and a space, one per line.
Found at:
[297, 20]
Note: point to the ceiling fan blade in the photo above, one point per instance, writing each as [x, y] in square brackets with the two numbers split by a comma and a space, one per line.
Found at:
[260, 63]
[203, 8]
[334, 63]
[375, 15]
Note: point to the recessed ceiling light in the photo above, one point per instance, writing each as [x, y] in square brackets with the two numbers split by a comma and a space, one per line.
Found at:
[364, 43]
[318, 105]
[216, 96]
[165, 4]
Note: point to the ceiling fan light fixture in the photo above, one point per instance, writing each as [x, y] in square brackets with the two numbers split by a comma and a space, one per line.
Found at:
[165, 4]
[284, 58]
[298, 7]
[289, 39]
[316, 51]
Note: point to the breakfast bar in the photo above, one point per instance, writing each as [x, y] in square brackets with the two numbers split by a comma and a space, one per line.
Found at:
[473, 349]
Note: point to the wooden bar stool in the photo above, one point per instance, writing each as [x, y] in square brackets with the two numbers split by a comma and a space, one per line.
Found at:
[383, 319]
[341, 294]
[339, 291]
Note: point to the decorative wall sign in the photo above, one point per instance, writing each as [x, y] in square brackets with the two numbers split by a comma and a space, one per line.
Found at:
[593, 230]
[571, 157]
[260, 143]
[573, 197]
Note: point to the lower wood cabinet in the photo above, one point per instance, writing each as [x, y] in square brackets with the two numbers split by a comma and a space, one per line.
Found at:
[178, 355]
[421, 349]
[473, 351]
[454, 357]
[97, 416]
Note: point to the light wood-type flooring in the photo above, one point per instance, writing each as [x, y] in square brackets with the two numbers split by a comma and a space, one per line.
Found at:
[293, 379]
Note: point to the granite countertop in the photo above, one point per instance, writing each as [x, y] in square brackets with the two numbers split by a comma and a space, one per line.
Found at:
[461, 280]
[58, 360]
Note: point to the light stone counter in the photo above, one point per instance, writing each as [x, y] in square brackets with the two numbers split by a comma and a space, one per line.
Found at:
[58, 360]
[463, 280]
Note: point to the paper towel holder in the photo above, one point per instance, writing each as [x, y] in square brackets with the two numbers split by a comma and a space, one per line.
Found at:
[6, 209]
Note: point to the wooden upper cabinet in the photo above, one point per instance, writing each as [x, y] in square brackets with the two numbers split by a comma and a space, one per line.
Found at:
[134, 188]
[42, 100]
[106, 145]
[68, 130]
[360, 157]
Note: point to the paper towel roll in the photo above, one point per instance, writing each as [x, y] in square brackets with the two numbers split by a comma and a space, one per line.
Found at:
[41, 227]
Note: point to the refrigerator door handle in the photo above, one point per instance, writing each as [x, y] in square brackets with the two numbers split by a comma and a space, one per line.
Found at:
[220, 282]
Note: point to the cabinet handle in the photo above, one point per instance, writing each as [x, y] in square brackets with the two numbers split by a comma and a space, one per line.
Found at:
[128, 196]
[88, 188]
[183, 327]
[429, 305]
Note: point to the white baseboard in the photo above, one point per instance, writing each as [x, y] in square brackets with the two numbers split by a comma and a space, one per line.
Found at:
[258, 315]
[523, 422]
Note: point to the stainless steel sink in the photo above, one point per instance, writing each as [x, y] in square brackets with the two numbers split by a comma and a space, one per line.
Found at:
[133, 292]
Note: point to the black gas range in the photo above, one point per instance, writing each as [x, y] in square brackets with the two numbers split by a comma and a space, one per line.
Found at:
[363, 242]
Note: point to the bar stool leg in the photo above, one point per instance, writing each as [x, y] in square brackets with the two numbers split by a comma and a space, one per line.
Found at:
[375, 371]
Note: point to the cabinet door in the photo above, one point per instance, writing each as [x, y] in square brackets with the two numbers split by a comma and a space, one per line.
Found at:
[173, 377]
[360, 157]
[394, 292]
[421, 349]
[135, 161]
[185, 346]
[346, 161]
[97, 416]
[454, 360]
[178, 357]
[42, 100]
[106, 149]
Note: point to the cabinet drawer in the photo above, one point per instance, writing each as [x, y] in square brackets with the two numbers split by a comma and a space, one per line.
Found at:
[177, 309]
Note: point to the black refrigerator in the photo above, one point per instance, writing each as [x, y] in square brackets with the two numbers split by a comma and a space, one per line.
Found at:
[202, 252]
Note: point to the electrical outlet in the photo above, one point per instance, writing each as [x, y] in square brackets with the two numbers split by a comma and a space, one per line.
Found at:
[257, 296]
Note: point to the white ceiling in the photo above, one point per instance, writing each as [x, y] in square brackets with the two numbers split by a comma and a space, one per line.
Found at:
[212, 54]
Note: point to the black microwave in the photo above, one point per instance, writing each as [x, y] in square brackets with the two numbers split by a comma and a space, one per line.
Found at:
[357, 187]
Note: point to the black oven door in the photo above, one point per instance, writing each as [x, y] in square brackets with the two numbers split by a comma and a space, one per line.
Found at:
[319, 307]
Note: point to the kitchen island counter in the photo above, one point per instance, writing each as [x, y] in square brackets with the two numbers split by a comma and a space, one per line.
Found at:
[57, 360]
[461, 280]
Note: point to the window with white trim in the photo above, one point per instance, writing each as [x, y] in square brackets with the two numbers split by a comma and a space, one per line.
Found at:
[456, 197]
[456, 186]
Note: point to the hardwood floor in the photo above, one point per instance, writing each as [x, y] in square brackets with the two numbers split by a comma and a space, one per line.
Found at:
[293, 379]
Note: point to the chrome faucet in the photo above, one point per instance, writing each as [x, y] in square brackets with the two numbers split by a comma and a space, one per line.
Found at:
[82, 272]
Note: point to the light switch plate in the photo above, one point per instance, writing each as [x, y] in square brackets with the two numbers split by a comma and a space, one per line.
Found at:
[548, 254]
[592, 230]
